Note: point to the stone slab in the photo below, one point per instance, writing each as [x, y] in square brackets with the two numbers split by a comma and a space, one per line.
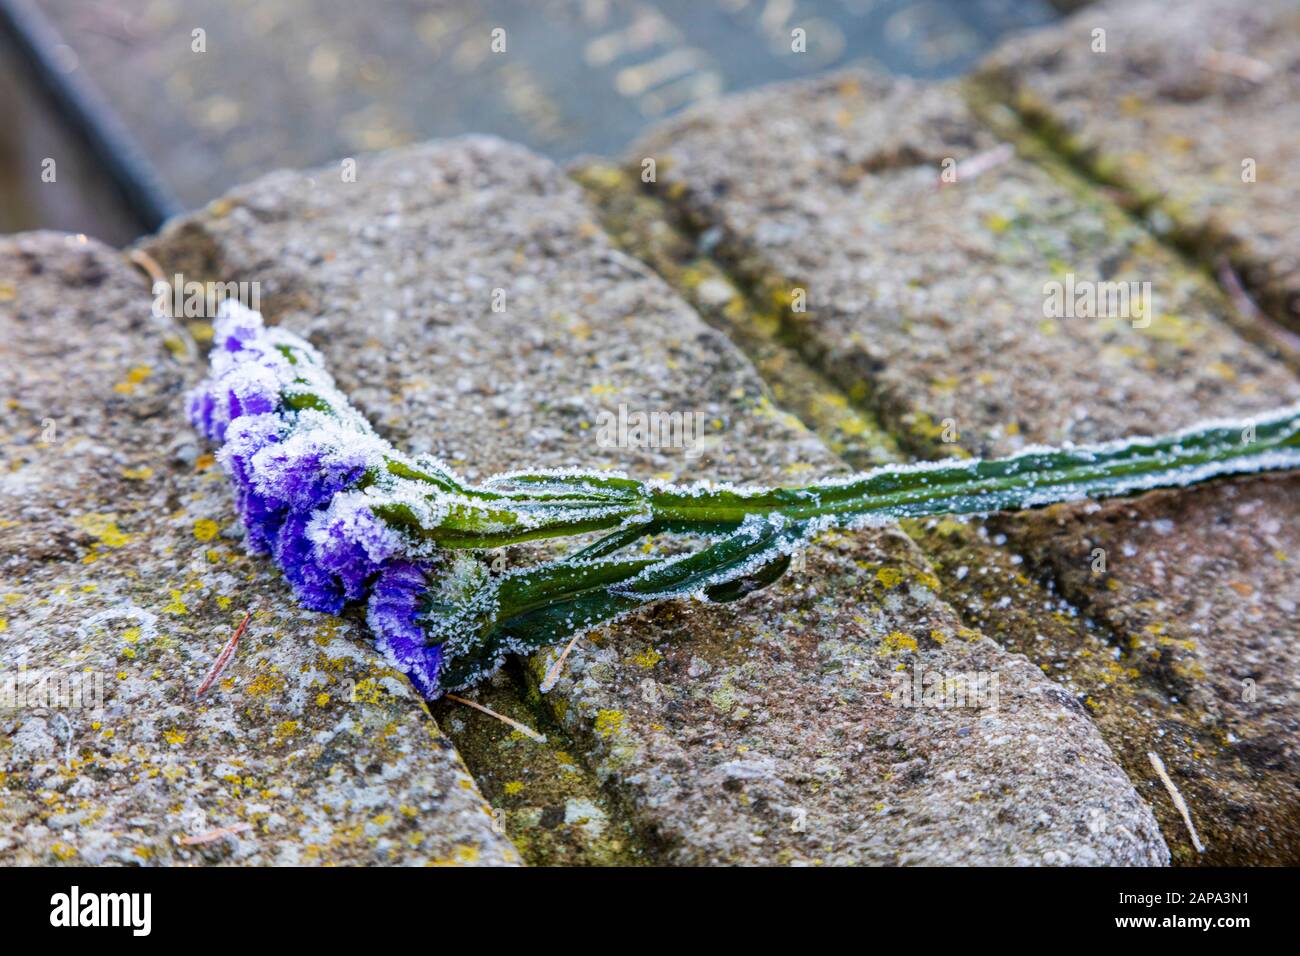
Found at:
[926, 303]
[123, 577]
[1170, 112]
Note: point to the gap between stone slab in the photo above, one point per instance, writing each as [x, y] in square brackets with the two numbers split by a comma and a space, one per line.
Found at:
[1017, 610]
[545, 795]
[1039, 137]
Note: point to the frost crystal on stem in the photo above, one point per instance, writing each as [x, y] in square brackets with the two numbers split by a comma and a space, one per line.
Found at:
[349, 518]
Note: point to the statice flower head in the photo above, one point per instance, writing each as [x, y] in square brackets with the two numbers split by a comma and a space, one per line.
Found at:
[351, 543]
[248, 373]
[309, 466]
[298, 456]
[394, 618]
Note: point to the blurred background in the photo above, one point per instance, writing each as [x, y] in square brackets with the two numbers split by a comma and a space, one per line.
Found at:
[119, 113]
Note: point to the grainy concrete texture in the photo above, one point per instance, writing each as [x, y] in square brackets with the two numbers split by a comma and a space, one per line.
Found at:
[122, 573]
[1191, 113]
[926, 305]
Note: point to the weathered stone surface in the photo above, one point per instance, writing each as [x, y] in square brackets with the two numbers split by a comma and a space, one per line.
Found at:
[1171, 111]
[926, 302]
[1200, 594]
[754, 732]
[120, 563]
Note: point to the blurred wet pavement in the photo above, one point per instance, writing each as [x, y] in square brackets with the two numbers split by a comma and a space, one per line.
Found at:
[220, 91]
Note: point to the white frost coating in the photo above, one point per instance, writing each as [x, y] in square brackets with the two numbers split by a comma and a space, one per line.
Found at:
[315, 435]
[350, 516]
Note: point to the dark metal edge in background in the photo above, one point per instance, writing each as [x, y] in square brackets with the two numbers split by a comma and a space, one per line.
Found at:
[89, 115]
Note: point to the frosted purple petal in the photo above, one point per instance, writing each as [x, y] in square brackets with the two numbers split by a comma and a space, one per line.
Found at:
[392, 616]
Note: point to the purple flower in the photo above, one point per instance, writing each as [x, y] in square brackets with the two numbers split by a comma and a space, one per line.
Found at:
[262, 520]
[244, 439]
[309, 467]
[246, 374]
[351, 542]
[295, 470]
[236, 326]
[316, 587]
[392, 616]
[202, 412]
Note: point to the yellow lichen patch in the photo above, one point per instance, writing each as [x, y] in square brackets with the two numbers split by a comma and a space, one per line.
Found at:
[285, 729]
[177, 605]
[996, 223]
[647, 658]
[1175, 329]
[133, 378]
[103, 528]
[204, 462]
[514, 787]
[322, 700]
[205, 529]
[368, 691]
[143, 473]
[265, 683]
[174, 737]
[462, 856]
[609, 722]
[897, 642]
[889, 577]
[63, 851]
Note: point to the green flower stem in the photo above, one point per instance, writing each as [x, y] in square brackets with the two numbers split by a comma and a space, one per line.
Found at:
[517, 508]
[478, 619]
[1031, 479]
